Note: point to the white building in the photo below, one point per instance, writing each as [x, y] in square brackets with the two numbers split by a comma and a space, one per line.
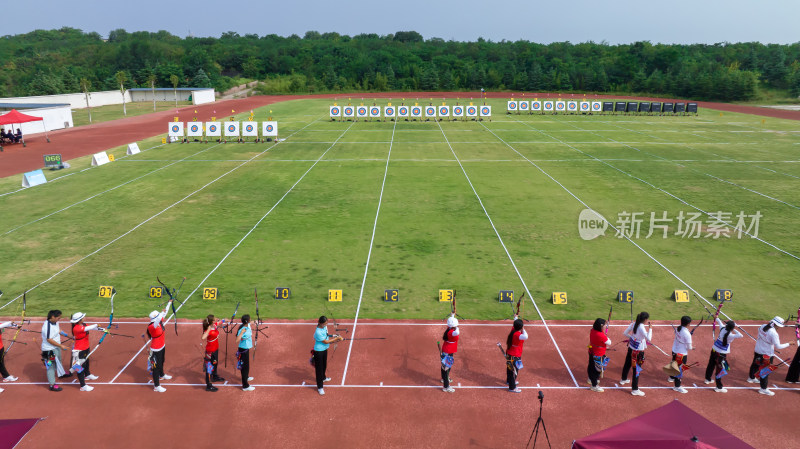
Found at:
[197, 95]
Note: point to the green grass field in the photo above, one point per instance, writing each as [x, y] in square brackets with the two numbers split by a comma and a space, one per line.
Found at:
[80, 117]
[300, 214]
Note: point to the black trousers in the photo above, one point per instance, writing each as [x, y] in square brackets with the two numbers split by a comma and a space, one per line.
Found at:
[594, 375]
[715, 361]
[244, 358]
[512, 373]
[793, 375]
[757, 359]
[213, 358]
[85, 372]
[683, 361]
[3, 370]
[320, 366]
[627, 366]
[157, 359]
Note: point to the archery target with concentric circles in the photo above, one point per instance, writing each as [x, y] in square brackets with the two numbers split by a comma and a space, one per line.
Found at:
[523, 105]
[536, 105]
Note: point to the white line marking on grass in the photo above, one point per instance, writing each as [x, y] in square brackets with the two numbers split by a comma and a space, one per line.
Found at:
[104, 191]
[617, 230]
[144, 222]
[200, 284]
[508, 254]
[727, 223]
[369, 256]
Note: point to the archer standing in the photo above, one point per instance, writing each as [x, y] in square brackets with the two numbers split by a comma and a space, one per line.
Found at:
[322, 340]
[52, 347]
[719, 354]
[158, 347]
[598, 344]
[793, 375]
[244, 338]
[638, 338]
[80, 350]
[681, 346]
[3, 371]
[766, 344]
[210, 360]
[449, 349]
[514, 342]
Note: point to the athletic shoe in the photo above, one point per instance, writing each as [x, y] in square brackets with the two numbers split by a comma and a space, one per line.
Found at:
[516, 390]
[159, 389]
[165, 377]
[449, 390]
[708, 381]
[327, 379]
[14, 379]
[65, 376]
[597, 389]
[249, 379]
[790, 382]
[92, 377]
[637, 392]
[721, 390]
[2, 390]
[681, 390]
[250, 388]
[55, 388]
[766, 392]
[752, 381]
[321, 391]
[211, 388]
[87, 388]
[670, 379]
[624, 381]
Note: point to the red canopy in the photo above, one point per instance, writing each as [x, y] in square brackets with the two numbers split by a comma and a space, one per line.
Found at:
[12, 431]
[673, 426]
[15, 117]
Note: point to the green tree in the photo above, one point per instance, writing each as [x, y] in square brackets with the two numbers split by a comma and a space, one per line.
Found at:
[122, 78]
[175, 80]
[151, 80]
[201, 79]
[86, 85]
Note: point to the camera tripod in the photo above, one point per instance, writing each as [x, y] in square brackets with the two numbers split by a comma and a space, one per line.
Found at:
[535, 432]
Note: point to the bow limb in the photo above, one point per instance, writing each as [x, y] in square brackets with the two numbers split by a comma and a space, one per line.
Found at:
[258, 322]
[22, 321]
[110, 319]
[608, 321]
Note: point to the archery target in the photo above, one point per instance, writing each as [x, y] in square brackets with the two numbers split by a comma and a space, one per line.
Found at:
[430, 111]
[458, 111]
[194, 129]
[249, 129]
[584, 106]
[572, 106]
[213, 129]
[374, 111]
[388, 111]
[269, 129]
[512, 106]
[416, 111]
[361, 111]
[560, 106]
[176, 129]
[523, 105]
[597, 106]
[486, 111]
[472, 111]
[444, 111]
[231, 129]
[349, 111]
[336, 111]
[548, 105]
[536, 105]
[402, 111]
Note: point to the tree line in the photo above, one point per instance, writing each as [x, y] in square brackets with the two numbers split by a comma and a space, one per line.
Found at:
[68, 60]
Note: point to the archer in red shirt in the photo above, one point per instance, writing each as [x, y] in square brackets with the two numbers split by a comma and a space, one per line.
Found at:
[598, 343]
[211, 339]
[514, 342]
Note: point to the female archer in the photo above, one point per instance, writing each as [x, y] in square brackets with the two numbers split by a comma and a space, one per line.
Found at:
[448, 351]
[244, 338]
[598, 344]
[719, 354]
[793, 376]
[764, 352]
[211, 353]
[514, 342]
[80, 350]
[638, 338]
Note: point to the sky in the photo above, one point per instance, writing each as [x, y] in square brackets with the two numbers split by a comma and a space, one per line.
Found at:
[612, 21]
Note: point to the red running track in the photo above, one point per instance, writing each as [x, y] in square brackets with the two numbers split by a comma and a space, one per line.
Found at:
[86, 140]
[392, 396]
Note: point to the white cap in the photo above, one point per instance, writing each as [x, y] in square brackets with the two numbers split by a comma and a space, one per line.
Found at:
[77, 316]
[777, 321]
[452, 322]
[153, 315]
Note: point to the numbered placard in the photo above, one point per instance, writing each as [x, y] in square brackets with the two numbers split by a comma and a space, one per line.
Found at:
[625, 296]
[723, 294]
[52, 160]
[391, 295]
[334, 295]
[446, 295]
[559, 297]
[155, 292]
[210, 293]
[505, 296]
[680, 295]
[106, 291]
[283, 293]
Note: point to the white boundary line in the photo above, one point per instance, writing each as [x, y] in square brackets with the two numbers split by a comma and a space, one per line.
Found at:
[235, 246]
[729, 224]
[105, 191]
[369, 256]
[615, 228]
[510, 259]
[147, 220]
